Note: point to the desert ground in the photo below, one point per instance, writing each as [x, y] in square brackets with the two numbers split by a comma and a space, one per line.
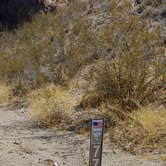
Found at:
[22, 143]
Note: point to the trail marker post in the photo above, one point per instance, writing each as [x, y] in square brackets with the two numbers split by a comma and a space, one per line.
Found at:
[96, 142]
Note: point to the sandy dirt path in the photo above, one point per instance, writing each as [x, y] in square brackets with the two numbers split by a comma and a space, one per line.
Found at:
[22, 144]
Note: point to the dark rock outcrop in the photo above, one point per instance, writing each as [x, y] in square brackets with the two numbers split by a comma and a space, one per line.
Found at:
[15, 12]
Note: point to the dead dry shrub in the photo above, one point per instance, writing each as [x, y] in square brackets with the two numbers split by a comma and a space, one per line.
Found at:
[49, 106]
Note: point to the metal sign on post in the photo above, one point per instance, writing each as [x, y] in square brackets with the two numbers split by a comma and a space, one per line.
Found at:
[96, 142]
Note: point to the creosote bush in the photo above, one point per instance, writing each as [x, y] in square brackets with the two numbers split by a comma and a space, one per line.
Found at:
[133, 73]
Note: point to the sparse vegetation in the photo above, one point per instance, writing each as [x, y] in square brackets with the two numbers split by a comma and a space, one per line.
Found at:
[142, 131]
[133, 73]
[52, 48]
[128, 70]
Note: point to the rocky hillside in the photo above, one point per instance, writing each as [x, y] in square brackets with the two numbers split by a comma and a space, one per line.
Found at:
[14, 12]
[89, 58]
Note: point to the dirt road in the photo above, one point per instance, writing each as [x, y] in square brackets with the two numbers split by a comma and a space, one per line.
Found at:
[22, 144]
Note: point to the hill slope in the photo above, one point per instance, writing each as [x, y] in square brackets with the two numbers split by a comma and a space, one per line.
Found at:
[84, 61]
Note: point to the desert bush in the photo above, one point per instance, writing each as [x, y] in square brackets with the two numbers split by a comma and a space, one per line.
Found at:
[23, 51]
[133, 73]
[49, 106]
[143, 131]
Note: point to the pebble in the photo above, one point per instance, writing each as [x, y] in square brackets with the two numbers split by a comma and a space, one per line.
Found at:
[17, 142]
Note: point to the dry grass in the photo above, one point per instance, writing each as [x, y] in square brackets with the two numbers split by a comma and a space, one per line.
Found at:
[163, 158]
[128, 71]
[153, 121]
[5, 93]
[144, 130]
[51, 106]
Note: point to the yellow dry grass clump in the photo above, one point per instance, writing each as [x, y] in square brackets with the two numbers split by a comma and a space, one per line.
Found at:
[5, 93]
[153, 121]
[50, 106]
[143, 130]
